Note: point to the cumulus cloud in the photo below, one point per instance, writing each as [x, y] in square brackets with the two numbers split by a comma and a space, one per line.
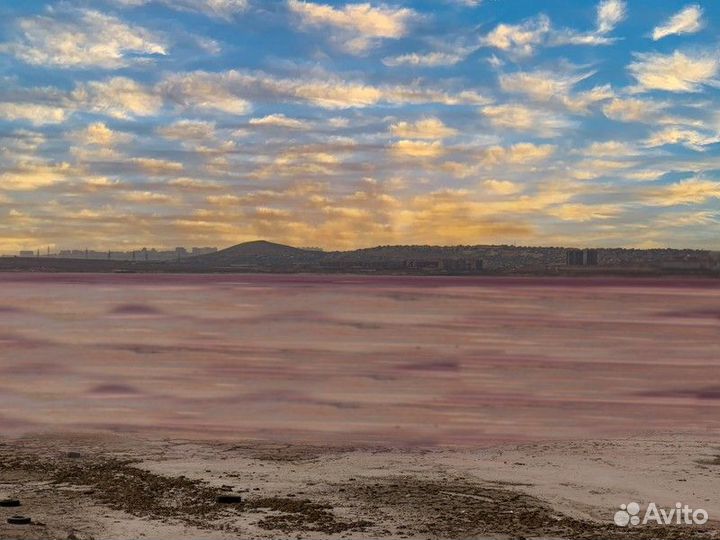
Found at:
[518, 117]
[356, 27]
[676, 72]
[82, 38]
[686, 21]
[426, 128]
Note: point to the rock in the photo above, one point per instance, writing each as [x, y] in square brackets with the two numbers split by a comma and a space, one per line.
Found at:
[9, 502]
[18, 520]
[228, 499]
[74, 455]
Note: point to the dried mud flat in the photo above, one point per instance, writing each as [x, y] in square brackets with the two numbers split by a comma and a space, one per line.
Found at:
[103, 486]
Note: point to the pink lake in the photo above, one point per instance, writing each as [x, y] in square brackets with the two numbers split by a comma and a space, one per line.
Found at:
[349, 359]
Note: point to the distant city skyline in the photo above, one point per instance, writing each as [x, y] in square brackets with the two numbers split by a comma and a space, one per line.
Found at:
[347, 124]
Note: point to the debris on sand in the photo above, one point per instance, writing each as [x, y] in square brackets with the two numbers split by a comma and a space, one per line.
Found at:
[295, 515]
[8, 503]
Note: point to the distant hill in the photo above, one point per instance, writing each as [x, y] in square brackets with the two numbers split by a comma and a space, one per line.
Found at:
[259, 253]
[263, 256]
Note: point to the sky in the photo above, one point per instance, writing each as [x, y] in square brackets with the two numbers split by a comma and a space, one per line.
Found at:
[162, 123]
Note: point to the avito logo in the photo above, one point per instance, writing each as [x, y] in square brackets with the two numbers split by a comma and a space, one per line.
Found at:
[629, 515]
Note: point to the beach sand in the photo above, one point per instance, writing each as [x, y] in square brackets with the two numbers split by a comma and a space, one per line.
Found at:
[110, 486]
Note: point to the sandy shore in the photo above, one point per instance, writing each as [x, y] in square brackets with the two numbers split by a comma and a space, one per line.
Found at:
[106, 486]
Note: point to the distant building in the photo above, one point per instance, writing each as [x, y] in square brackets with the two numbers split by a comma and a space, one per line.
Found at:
[27, 253]
[181, 252]
[582, 257]
[450, 266]
[203, 250]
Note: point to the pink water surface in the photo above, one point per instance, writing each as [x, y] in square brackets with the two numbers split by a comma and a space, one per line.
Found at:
[345, 359]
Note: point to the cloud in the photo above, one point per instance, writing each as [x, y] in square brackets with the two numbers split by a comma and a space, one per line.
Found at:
[676, 72]
[690, 191]
[205, 91]
[590, 169]
[520, 154]
[502, 187]
[417, 149]
[188, 130]
[356, 27]
[232, 91]
[685, 21]
[609, 14]
[33, 175]
[280, 121]
[427, 128]
[34, 113]
[82, 38]
[430, 59]
[548, 86]
[519, 39]
[585, 212]
[221, 9]
[146, 197]
[687, 137]
[633, 110]
[303, 161]
[609, 149]
[520, 117]
[118, 97]
[157, 166]
[99, 134]
[21, 143]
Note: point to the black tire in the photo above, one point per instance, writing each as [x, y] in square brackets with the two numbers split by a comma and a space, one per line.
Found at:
[18, 520]
[9, 502]
[229, 499]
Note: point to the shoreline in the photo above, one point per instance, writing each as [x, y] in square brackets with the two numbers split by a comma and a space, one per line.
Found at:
[100, 485]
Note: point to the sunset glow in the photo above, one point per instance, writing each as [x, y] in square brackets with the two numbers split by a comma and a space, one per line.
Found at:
[131, 123]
